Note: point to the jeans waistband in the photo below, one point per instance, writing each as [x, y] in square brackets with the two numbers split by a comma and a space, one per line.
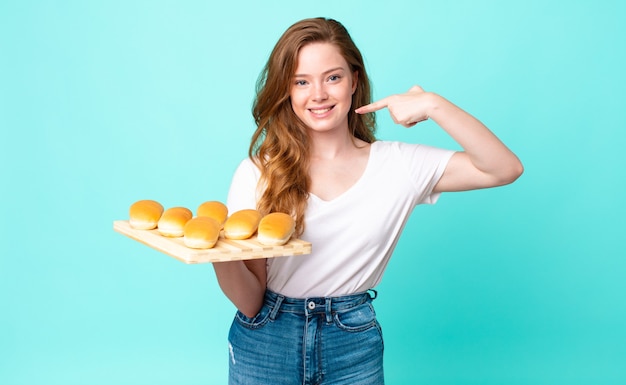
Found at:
[315, 305]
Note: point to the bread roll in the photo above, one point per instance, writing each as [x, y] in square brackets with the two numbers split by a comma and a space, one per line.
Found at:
[173, 221]
[213, 209]
[145, 214]
[242, 224]
[275, 229]
[201, 233]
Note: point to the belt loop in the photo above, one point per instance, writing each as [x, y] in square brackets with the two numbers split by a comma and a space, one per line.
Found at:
[329, 307]
[279, 301]
[373, 297]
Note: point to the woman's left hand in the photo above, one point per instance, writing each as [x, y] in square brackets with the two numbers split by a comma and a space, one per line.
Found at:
[406, 109]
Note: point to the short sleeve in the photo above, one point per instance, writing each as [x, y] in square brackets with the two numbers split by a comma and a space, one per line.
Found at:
[243, 188]
[426, 166]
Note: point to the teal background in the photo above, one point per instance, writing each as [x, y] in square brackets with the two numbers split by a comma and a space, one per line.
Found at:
[106, 102]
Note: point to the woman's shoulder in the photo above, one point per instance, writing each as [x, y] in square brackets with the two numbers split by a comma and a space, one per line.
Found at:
[393, 145]
[248, 162]
[390, 150]
[396, 145]
[247, 166]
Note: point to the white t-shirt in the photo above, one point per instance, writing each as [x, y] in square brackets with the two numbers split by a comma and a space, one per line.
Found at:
[353, 235]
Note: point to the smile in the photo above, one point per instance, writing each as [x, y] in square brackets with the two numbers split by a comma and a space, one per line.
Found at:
[320, 111]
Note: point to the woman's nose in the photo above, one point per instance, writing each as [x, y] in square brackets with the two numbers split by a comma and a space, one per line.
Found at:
[319, 92]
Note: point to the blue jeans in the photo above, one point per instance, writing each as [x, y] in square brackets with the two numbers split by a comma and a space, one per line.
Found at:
[313, 341]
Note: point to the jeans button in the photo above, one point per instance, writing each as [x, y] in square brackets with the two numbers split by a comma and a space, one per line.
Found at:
[311, 305]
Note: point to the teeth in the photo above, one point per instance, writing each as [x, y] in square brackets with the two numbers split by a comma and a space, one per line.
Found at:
[322, 111]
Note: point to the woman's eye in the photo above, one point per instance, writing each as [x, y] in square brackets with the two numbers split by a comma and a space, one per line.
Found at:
[300, 82]
[334, 78]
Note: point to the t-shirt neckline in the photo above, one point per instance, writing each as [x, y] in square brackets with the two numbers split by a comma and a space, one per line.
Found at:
[356, 184]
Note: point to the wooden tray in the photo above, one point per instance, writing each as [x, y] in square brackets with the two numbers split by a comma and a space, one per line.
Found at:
[223, 251]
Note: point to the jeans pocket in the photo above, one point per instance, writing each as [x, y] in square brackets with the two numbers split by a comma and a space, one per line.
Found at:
[356, 319]
[255, 322]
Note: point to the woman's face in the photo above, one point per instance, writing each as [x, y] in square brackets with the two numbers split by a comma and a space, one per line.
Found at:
[321, 93]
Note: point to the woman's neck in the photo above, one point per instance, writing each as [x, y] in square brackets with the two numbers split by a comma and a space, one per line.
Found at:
[327, 145]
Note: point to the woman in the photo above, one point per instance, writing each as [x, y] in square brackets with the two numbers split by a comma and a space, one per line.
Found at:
[309, 319]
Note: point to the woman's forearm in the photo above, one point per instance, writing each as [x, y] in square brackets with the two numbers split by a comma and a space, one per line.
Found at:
[243, 282]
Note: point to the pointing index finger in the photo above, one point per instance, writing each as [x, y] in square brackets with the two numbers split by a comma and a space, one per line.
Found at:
[372, 107]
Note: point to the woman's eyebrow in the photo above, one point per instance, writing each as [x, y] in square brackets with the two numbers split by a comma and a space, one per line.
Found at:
[323, 73]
